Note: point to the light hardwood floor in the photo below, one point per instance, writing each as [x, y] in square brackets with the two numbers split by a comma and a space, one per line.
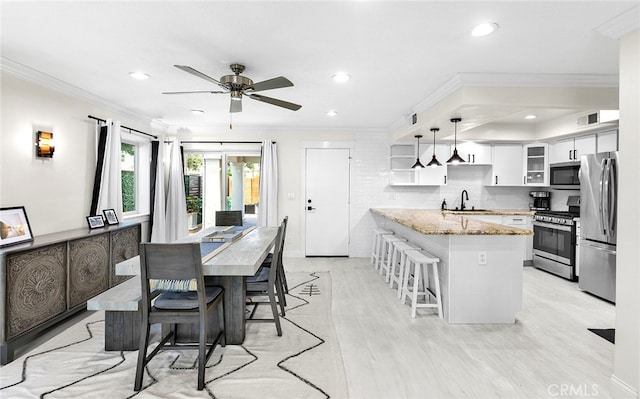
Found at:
[548, 352]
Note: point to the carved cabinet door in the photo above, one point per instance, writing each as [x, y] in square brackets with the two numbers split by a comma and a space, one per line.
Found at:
[36, 287]
[88, 268]
[124, 245]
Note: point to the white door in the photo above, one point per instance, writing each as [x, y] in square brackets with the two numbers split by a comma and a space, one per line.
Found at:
[327, 202]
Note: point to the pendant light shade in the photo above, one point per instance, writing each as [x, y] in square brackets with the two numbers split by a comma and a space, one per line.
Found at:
[434, 161]
[418, 164]
[455, 158]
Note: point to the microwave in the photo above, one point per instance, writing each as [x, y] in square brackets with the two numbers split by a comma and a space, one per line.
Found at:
[565, 175]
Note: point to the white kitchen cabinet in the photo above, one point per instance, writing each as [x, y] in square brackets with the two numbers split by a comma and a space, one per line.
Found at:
[536, 165]
[570, 150]
[473, 153]
[607, 141]
[507, 165]
[523, 222]
[487, 218]
[433, 175]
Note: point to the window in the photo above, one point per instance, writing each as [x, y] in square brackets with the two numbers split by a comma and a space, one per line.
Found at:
[128, 175]
[134, 168]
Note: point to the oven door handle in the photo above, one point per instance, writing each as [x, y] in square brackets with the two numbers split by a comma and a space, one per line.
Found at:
[552, 226]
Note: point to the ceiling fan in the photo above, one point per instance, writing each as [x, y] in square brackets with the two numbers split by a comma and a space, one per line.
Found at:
[238, 86]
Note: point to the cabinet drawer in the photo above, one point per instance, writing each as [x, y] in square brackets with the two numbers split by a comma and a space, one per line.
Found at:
[514, 220]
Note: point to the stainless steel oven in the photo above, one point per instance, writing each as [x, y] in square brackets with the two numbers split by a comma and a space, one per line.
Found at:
[554, 243]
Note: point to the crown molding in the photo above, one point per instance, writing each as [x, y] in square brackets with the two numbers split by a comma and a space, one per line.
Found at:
[619, 26]
[508, 80]
[49, 82]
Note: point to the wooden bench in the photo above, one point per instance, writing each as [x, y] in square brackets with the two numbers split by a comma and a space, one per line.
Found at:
[122, 315]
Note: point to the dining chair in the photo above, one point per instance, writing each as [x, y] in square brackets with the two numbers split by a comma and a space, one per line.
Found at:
[176, 263]
[282, 277]
[228, 218]
[265, 283]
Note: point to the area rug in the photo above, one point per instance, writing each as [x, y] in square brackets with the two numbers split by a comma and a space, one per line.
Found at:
[607, 333]
[304, 363]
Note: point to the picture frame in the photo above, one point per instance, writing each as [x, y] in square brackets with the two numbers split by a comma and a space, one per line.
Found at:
[14, 226]
[95, 222]
[110, 216]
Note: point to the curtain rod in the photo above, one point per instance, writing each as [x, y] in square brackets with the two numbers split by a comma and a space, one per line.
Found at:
[125, 127]
[218, 141]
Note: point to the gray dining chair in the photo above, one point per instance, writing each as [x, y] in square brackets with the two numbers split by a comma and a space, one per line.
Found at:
[265, 283]
[228, 218]
[177, 263]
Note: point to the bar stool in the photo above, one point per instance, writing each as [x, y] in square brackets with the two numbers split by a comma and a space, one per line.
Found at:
[387, 249]
[377, 245]
[398, 260]
[421, 260]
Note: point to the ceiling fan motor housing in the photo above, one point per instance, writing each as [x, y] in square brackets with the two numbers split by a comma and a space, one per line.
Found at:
[236, 82]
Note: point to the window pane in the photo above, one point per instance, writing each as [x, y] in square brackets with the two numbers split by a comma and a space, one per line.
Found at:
[128, 173]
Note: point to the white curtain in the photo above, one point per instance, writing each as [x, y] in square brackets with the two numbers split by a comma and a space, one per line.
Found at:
[176, 214]
[159, 231]
[268, 202]
[110, 194]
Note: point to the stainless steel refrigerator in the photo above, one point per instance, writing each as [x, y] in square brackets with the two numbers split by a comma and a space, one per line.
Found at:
[598, 214]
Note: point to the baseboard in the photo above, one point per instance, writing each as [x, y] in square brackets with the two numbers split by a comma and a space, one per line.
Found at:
[621, 389]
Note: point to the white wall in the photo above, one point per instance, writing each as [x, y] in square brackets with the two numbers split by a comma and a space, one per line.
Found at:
[56, 193]
[627, 351]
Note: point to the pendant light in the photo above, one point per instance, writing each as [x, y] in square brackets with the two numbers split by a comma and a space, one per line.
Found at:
[434, 161]
[418, 164]
[455, 158]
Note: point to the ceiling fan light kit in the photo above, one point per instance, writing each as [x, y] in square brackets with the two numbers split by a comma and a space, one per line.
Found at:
[237, 86]
[434, 161]
[455, 158]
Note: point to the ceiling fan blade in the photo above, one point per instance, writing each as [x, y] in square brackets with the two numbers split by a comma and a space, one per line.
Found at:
[199, 74]
[193, 92]
[274, 83]
[236, 106]
[275, 101]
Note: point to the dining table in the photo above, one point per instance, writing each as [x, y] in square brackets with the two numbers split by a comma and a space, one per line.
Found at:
[225, 264]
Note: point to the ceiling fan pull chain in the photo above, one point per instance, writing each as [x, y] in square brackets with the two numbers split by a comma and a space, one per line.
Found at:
[230, 120]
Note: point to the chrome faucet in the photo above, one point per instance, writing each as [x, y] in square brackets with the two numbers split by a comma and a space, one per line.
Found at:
[464, 192]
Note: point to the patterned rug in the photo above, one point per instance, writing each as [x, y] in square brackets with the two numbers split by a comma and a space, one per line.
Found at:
[304, 363]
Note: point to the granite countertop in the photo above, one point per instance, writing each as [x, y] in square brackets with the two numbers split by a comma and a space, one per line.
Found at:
[499, 212]
[436, 222]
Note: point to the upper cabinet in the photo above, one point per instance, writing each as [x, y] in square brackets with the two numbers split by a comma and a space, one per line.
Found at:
[607, 141]
[474, 153]
[434, 175]
[570, 150]
[536, 164]
[507, 165]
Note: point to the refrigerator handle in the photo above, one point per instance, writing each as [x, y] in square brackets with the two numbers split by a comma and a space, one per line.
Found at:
[612, 197]
[601, 208]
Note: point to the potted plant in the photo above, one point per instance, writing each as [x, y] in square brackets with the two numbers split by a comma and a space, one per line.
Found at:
[194, 207]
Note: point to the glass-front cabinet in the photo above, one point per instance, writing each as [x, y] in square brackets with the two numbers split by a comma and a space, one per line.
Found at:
[536, 164]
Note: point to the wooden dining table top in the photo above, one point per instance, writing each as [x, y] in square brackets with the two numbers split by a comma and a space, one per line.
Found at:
[241, 257]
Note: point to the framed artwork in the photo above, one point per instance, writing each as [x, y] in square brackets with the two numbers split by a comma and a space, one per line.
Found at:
[110, 216]
[14, 226]
[95, 221]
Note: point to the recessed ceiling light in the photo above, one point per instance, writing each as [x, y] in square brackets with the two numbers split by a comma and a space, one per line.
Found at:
[332, 113]
[530, 116]
[197, 111]
[484, 29]
[341, 77]
[139, 75]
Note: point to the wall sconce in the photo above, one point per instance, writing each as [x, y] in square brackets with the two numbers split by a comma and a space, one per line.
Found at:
[45, 145]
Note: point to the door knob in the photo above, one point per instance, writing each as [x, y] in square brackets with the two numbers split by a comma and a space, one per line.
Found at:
[310, 208]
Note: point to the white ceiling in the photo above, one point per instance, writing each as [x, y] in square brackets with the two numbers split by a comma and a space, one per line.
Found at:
[398, 53]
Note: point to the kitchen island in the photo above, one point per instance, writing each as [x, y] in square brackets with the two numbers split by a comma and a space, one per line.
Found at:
[480, 266]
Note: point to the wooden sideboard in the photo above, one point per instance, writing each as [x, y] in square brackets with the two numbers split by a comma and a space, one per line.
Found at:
[51, 278]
